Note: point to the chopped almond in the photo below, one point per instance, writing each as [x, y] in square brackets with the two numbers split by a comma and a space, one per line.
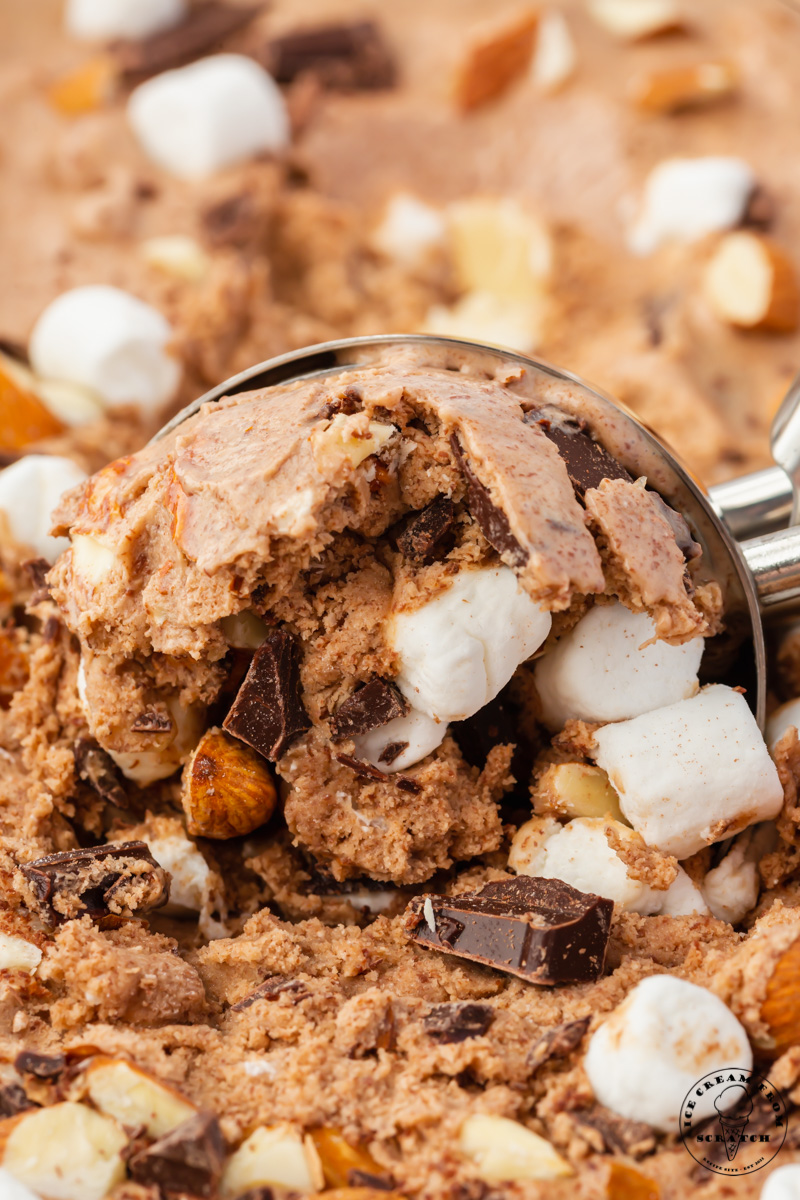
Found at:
[228, 789]
[751, 283]
[634, 20]
[496, 56]
[23, 417]
[339, 1158]
[684, 87]
[626, 1183]
[84, 90]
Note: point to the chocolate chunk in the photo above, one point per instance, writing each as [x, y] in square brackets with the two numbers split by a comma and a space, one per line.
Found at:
[268, 712]
[51, 629]
[151, 721]
[587, 462]
[36, 569]
[543, 930]
[427, 535]
[616, 1133]
[368, 707]
[363, 769]
[271, 989]
[347, 56]
[13, 1100]
[493, 521]
[97, 768]
[407, 784]
[241, 220]
[688, 547]
[365, 1179]
[43, 1066]
[558, 1042]
[188, 1159]
[205, 27]
[78, 883]
[448, 1023]
[351, 401]
[391, 752]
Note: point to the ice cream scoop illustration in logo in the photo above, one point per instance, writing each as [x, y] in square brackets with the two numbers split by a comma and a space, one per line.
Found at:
[735, 1098]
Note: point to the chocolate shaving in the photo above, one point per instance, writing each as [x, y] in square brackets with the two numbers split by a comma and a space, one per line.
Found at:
[97, 768]
[587, 462]
[151, 721]
[427, 536]
[205, 27]
[347, 56]
[449, 1023]
[189, 1159]
[79, 883]
[407, 784]
[557, 1042]
[268, 712]
[543, 930]
[391, 752]
[272, 988]
[492, 520]
[364, 770]
[617, 1133]
[42, 1066]
[368, 707]
[365, 1179]
[13, 1100]
[36, 569]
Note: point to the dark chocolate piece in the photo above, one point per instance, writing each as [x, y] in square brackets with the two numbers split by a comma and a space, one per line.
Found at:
[760, 211]
[13, 1100]
[202, 31]
[368, 707]
[493, 521]
[188, 1159]
[543, 930]
[448, 1023]
[43, 1066]
[391, 752]
[268, 712]
[427, 535]
[363, 769]
[347, 56]
[688, 547]
[365, 1179]
[587, 462]
[97, 768]
[558, 1042]
[614, 1133]
[84, 882]
[36, 569]
[271, 989]
[351, 401]
[151, 721]
[407, 784]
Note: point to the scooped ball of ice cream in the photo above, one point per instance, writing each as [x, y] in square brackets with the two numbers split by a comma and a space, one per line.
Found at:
[610, 667]
[665, 1036]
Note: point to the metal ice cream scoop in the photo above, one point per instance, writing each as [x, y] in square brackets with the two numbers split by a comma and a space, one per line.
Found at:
[743, 526]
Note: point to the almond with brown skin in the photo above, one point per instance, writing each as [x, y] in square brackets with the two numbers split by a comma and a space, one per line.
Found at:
[496, 55]
[340, 1160]
[751, 283]
[228, 788]
[677, 88]
[780, 1010]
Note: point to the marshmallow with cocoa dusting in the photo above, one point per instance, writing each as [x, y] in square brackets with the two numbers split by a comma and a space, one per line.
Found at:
[110, 342]
[417, 734]
[687, 198]
[102, 20]
[195, 120]
[609, 667]
[654, 1046]
[29, 491]
[692, 773]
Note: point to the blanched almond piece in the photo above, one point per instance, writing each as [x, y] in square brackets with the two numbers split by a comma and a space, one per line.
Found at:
[176, 255]
[18, 954]
[134, 1098]
[348, 440]
[555, 58]
[499, 246]
[503, 1151]
[496, 56]
[66, 1152]
[683, 87]
[633, 20]
[228, 788]
[85, 89]
[751, 283]
[273, 1155]
[626, 1183]
[23, 417]
[577, 790]
[338, 1158]
[780, 1010]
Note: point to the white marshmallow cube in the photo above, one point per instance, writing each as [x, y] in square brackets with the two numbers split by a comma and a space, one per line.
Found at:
[110, 342]
[693, 773]
[101, 20]
[665, 1036]
[782, 720]
[220, 110]
[457, 651]
[29, 491]
[783, 1184]
[687, 198]
[603, 670]
[422, 733]
[579, 853]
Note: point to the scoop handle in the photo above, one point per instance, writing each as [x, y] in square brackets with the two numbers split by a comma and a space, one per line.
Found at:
[759, 503]
[774, 561]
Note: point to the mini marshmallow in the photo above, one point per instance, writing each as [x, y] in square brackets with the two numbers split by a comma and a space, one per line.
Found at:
[422, 733]
[457, 651]
[687, 198]
[29, 491]
[102, 20]
[218, 111]
[603, 670]
[109, 342]
[579, 853]
[783, 1184]
[782, 720]
[410, 230]
[664, 1036]
[692, 773]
